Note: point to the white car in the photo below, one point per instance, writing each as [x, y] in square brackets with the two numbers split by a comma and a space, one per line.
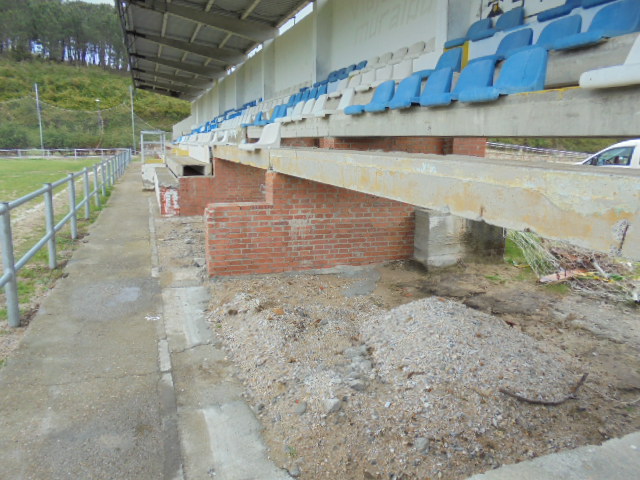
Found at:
[624, 154]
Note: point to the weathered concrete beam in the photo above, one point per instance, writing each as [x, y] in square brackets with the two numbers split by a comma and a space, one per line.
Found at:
[570, 112]
[595, 208]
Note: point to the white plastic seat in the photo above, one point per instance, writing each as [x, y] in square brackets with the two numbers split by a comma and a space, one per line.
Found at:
[345, 101]
[382, 75]
[371, 62]
[403, 69]
[306, 110]
[319, 105]
[269, 138]
[291, 116]
[416, 49]
[352, 82]
[616, 76]
[367, 79]
[385, 58]
[214, 137]
[398, 55]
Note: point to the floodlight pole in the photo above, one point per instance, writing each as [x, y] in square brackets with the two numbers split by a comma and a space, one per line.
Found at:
[39, 118]
[133, 124]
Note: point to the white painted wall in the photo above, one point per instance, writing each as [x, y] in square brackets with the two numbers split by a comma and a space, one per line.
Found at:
[253, 79]
[363, 28]
[295, 56]
[341, 32]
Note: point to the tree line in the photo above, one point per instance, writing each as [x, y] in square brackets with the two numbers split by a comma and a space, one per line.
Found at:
[66, 31]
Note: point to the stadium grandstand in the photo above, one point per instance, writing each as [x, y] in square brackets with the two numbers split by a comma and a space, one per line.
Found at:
[330, 132]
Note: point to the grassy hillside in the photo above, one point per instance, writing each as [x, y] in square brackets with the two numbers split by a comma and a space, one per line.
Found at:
[71, 114]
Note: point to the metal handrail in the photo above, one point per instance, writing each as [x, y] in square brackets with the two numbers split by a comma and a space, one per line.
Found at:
[105, 174]
[543, 151]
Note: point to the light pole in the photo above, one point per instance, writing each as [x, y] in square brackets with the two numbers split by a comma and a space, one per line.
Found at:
[100, 123]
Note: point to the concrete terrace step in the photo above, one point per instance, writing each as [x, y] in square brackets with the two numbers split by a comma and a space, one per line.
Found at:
[182, 166]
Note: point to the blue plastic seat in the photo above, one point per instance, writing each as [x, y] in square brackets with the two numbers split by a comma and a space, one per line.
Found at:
[438, 85]
[478, 30]
[381, 97]
[450, 59]
[322, 89]
[278, 112]
[407, 90]
[559, 29]
[511, 19]
[510, 44]
[476, 75]
[594, 3]
[361, 65]
[559, 11]
[524, 71]
[613, 20]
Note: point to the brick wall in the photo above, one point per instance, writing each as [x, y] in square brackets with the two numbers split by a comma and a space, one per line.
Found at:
[231, 182]
[304, 142]
[386, 144]
[473, 146]
[305, 225]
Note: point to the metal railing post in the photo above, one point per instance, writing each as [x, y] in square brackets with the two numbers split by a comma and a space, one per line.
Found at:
[72, 207]
[87, 193]
[50, 223]
[96, 185]
[104, 178]
[8, 265]
[111, 172]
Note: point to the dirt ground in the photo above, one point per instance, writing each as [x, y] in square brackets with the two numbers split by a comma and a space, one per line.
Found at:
[395, 372]
[379, 428]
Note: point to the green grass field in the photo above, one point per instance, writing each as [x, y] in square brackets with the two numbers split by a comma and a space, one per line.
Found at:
[19, 177]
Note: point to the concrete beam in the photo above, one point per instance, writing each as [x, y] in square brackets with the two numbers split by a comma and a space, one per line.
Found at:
[173, 78]
[595, 208]
[209, 72]
[223, 56]
[570, 112]
[255, 31]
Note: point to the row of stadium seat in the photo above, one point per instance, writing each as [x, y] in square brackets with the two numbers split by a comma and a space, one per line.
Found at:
[519, 60]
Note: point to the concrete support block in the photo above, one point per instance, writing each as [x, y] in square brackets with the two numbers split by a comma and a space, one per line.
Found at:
[166, 187]
[442, 239]
[148, 171]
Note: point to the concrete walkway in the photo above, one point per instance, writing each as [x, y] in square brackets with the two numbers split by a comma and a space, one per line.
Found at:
[90, 393]
[617, 459]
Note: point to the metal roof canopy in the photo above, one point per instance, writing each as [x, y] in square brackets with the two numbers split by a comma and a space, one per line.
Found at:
[173, 43]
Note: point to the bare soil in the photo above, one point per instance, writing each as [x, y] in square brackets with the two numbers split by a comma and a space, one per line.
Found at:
[296, 339]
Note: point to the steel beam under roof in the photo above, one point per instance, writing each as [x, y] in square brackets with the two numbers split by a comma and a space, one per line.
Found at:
[169, 87]
[225, 56]
[199, 29]
[209, 72]
[194, 82]
[255, 31]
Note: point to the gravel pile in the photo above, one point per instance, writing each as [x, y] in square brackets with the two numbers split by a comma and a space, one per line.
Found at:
[447, 361]
[348, 390]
